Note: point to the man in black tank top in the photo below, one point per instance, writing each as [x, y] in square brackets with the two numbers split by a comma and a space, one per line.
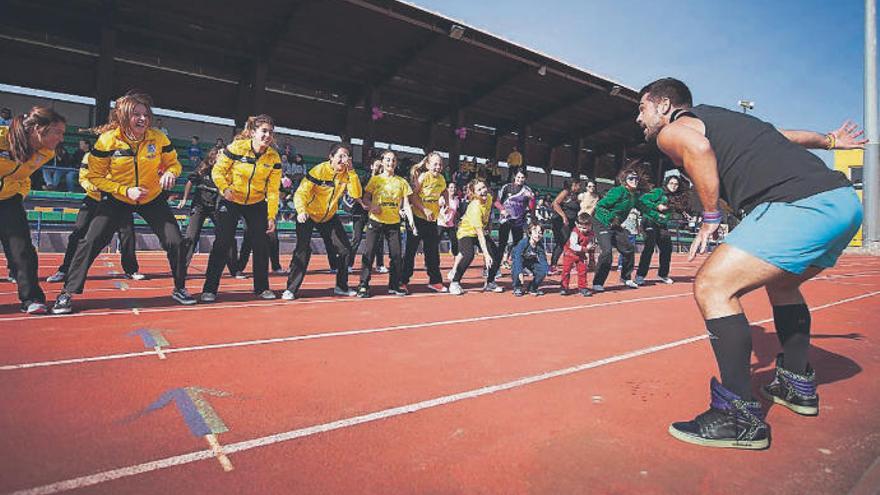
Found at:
[799, 216]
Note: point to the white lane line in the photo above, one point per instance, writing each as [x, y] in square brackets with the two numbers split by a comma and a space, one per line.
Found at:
[114, 474]
[324, 335]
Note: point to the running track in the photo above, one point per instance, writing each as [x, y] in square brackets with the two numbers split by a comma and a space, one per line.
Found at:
[438, 394]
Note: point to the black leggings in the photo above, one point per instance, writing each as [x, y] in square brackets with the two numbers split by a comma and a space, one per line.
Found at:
[655, 235]
[453, 239]
[376, 232]
[19, 250]
[504, 232]
[468, 247]
[608, 237]
[560, 237]
[110, 215]
[194, 232]
[334, 235]
[274, 247]
[358, 224]
[126, 238]
[256, 223]
[430, 239]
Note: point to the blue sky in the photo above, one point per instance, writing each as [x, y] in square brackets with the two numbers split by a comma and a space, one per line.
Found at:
[801, 62]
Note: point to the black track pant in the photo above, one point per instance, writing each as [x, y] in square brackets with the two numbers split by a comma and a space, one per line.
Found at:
[256, 223]
[358, 224]
[655, 236]
[608, 237]
[334, 235]
[467, 247]
[560, 237]
[453, 239]
[504, 232]
[83, 219]
[377, 233]
[19, 250]
[194, 232]
[274, 245]
[430, 239]
[109, 217]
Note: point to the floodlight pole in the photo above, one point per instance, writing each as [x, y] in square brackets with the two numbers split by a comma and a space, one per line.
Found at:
[871, 170]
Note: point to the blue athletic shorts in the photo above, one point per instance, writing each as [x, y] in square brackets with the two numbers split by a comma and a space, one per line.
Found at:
[812, 231]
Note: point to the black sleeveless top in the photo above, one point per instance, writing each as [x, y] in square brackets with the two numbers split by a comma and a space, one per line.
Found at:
[757, 164]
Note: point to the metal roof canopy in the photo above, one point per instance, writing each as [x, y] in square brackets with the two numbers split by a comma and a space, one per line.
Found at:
[322, 65]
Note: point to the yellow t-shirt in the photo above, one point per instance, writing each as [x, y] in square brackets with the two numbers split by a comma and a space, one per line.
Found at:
[433, 186]
[388, 192]
[476, 218]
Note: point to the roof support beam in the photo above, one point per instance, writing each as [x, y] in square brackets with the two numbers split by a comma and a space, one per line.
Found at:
[559, 107]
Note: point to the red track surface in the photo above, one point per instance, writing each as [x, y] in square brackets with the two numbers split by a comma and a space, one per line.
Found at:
[600, 428]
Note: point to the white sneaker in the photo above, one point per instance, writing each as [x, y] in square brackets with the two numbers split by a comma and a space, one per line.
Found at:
[208, 297]
[382, 269]
[450, 275]
[288, 296]
[598, 288]
[135, 276]
[667, 280]
[455, 289]
[492, 287]
[56, 277]
[267, 294]
[640, 280]
[630, 284]
[344, 292]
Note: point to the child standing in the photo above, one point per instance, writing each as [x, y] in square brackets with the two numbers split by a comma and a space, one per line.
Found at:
[577, 249]
[529, 253]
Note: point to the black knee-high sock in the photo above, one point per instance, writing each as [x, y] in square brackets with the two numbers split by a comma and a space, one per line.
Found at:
[793, 330]
[731, 341]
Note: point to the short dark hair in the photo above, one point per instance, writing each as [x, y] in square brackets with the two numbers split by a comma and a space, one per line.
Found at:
[584, 218]
[677, 92]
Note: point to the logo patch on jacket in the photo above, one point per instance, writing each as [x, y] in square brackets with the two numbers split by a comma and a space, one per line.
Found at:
[151, 150]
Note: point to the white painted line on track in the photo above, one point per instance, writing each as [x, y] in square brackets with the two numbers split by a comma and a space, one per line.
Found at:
[115, 474]
[347, 333]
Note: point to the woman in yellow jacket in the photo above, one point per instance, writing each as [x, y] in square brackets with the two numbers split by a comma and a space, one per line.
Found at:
[248, 175]
[25, 145]
[316, 201]
[132, 164]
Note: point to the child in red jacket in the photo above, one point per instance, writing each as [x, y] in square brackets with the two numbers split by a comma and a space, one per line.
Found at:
[577, 250]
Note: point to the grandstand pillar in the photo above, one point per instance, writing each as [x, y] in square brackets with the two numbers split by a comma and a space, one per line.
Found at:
[258, 90]
[371, 100]
[455, 148]
[104, 75]
[522, 142]
[430, 138]
[577, 158]
[251, 92]
[590, 162]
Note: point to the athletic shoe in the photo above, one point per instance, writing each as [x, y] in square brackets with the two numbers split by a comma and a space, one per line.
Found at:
[598, 288]
[794, 391]
[135, 276]
[730, 422]
[630, 284]
[63, 305]
[183, 297]
[11, 280]
[240, 275]
[492, 287]
[398, 292]
[344, 292]
[333, 271]
[455, 289]
[536, 292]
[208, 297]
[518, 292]
[382, 269]
[267, 295]
[450, 275]
[279, 271]
[363, 292]
[667, 280]
[586, 293]
[288, 295]
[640, 280]
[437, 288]
[56, 277]
[564, 292]
[404, 288]
[34, 308]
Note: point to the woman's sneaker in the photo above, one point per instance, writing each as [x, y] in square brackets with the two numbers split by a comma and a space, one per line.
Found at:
[518, 292]
[135, 276]
[382, 269]
[492, 287]
[640, 280]
[63, 305]
[208, 297]
[536, 291]
[344, 292]
[437, 288]
[598, 288]
[288, 295]
[455, 289]
[630, 284]
[56, 277]
[267, 295]
[34, 308]
[794, 391]
[363, 292]
[586, 293]
[667, 280]
[183, 297]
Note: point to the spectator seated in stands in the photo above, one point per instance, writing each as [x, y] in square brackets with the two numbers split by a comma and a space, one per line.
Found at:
[61, 167]
[5, 116]
[195, 152]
